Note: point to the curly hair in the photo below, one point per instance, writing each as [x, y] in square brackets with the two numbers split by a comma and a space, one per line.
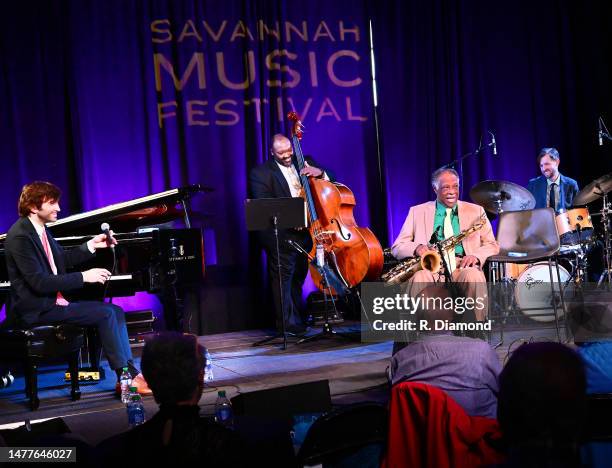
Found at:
[172, 364]
[33, 195]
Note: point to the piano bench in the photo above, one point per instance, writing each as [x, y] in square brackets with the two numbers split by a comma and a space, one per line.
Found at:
[33, 345]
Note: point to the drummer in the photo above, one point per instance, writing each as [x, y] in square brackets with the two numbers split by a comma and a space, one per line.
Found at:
[552, 189]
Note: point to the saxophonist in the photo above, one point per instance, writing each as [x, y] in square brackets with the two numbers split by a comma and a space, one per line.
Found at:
[448, 216]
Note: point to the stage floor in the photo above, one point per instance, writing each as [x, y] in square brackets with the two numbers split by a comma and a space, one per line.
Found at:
[355, 371]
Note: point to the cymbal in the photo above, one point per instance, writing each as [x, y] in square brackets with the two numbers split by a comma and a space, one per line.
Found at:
[594, 190]
[513, 197]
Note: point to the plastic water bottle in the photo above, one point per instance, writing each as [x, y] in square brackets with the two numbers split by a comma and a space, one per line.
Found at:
[208, 369]
[7, 379]
[224, 414]
[126, 381]
[135, 409]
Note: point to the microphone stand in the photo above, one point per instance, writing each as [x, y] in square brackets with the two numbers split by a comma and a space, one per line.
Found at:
[458, 162]
[274, 220]
[601, 134]
[460, 159]
[437, 243]
[329, 280]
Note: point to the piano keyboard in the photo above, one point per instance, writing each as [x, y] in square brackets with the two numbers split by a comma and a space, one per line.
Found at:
[7, 284]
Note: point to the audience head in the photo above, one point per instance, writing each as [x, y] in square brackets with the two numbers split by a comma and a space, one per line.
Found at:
[173, 366]
[542, 397]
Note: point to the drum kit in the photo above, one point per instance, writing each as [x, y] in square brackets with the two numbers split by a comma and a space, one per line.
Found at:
[576, 233]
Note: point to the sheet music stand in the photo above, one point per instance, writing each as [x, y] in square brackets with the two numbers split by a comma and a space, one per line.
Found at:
[276, 213]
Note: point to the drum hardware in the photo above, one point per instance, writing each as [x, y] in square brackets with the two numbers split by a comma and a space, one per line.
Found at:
[576, 242]
[580, 265]
[594, 191]
[497, 196]
[606, 210]
[597, 189]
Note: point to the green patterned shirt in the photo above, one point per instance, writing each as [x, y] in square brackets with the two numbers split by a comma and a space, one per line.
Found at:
[439, 224]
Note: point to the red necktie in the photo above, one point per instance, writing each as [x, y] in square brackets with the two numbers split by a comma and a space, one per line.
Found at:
[45, 242]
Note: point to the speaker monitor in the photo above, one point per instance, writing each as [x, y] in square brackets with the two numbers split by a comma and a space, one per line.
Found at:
[311, 397]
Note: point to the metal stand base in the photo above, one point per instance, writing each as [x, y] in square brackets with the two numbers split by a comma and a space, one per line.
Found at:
[607, 276]
[277, 336]
[328, 332]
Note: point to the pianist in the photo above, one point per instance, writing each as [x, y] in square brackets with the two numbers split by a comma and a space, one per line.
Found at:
[37, 266]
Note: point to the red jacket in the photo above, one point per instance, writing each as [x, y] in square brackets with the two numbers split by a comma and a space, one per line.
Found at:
[427, 428]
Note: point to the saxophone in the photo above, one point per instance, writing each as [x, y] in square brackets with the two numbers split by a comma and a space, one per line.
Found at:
[430, 260]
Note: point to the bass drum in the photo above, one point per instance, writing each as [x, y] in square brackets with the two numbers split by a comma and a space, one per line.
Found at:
[533, 290]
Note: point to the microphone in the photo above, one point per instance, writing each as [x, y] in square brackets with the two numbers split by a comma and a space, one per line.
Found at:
[493, 143]
[599, 132]
[106, 230]
[435, 236]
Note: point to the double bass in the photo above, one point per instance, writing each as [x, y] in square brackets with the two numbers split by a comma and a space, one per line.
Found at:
[353, 252]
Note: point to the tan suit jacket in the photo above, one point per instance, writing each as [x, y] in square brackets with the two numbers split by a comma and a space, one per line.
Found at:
[418, 229]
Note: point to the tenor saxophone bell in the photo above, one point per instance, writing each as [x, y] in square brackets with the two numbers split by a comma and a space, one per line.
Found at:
[430, 260]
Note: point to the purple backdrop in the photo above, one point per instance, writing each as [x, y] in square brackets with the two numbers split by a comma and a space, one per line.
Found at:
[536, 73]
[116, 100]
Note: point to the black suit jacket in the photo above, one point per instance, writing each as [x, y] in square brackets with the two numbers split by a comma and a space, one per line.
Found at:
[267, 181]
[538, 187]
[34, 287]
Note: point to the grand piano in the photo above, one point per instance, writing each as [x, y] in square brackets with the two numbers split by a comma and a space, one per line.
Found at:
[150, 255]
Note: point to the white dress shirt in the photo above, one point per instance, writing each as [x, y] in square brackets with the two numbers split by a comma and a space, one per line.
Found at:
[293, 179]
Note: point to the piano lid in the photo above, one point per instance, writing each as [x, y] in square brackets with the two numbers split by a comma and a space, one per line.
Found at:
[129, 215]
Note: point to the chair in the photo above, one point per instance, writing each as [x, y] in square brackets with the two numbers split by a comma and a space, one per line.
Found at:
[339, 437]
[33, 345]
[527, 237]
[428, 428]
[596, 446]
[92, 352]
[599, 414]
